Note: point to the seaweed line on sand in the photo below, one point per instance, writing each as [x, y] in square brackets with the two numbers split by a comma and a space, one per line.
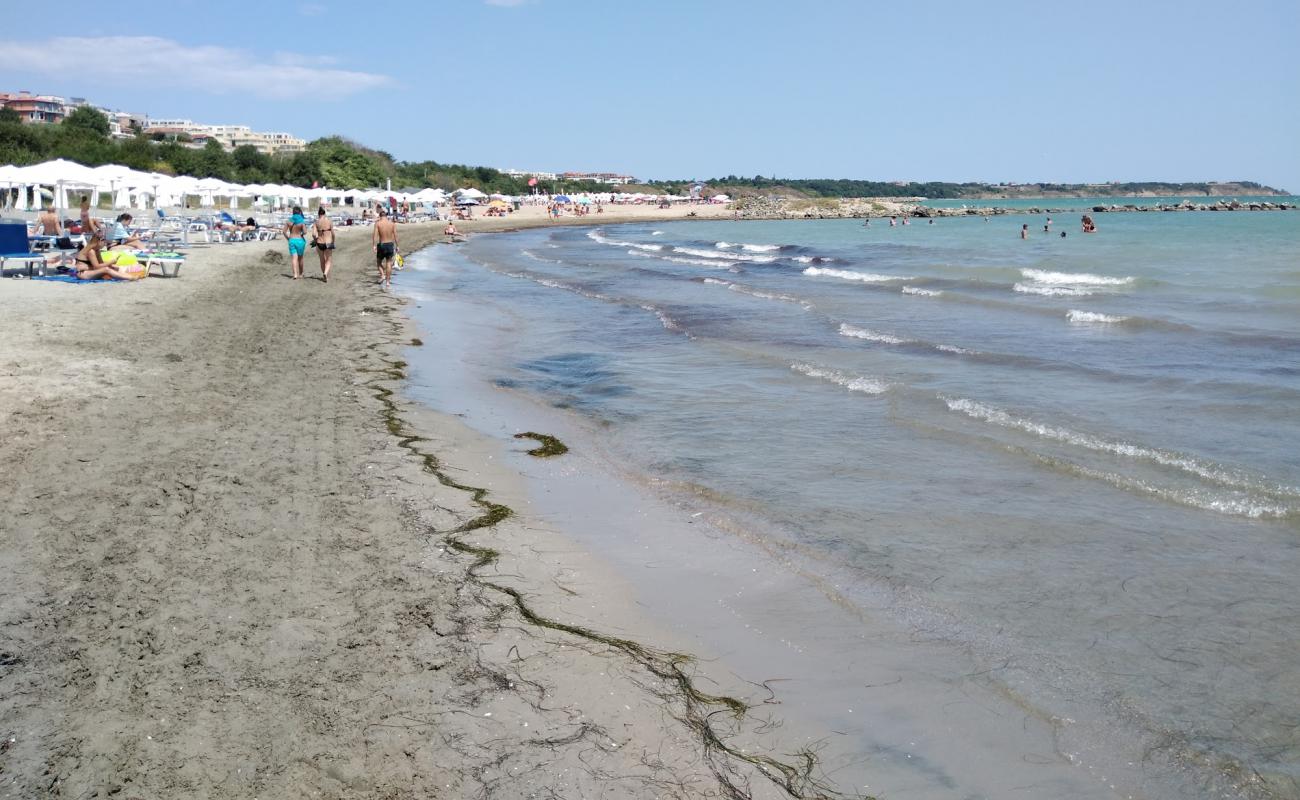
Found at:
[550, 446]
[796, 779]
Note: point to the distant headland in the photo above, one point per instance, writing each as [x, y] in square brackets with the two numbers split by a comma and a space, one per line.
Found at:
[940, 190]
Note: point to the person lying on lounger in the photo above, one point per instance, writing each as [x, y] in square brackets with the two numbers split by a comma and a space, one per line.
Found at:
[90, 262]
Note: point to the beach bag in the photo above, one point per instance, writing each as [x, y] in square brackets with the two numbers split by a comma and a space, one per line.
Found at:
[399, 261]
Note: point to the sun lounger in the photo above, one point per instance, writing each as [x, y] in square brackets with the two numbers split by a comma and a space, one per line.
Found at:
[14, 247]
[168, 264]
[33, 262]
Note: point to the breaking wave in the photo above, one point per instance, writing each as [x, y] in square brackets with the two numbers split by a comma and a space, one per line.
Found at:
[745, 290]
[597, 236]
[1072, 278]
[851, 275]
[752, 248]
[1051, 291]
[1230, 478]
[701, 253]
[698, 262]
[871, 336]
[1092, 317]
[854, 383]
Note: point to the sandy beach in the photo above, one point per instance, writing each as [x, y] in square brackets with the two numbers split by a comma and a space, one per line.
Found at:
[240, 564]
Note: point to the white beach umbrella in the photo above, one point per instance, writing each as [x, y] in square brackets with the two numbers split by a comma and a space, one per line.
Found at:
[8, 178]
[60, 174]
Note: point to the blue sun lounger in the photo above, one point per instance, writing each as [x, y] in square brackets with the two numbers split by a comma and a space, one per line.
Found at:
[14, 247]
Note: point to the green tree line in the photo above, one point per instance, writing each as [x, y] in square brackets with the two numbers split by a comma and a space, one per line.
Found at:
[332, 161]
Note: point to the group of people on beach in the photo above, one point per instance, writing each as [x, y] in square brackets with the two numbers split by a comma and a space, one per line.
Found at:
[322, 238]
[90, 261]
[383, 238]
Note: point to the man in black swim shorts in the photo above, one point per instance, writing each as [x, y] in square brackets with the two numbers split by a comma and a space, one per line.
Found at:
[384, 239]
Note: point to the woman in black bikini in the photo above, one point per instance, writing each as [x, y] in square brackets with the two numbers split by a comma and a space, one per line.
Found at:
[323, 236]
[90, 266]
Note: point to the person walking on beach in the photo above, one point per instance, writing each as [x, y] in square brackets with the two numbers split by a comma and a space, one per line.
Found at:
[322, 233]
[384, 238]
[295, 232]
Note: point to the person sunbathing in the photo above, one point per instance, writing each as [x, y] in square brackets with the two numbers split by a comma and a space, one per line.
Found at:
[47, 224]
[90, 262]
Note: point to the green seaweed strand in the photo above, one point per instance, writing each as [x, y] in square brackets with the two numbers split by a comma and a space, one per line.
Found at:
[796, 779]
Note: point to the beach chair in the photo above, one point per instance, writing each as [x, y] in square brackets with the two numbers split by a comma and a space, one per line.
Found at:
[14, 248]
[168, 263]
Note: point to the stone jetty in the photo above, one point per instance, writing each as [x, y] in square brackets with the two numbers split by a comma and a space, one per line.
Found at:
[883, 207]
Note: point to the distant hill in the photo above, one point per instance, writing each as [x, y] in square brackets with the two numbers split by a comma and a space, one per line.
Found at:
[841, 187]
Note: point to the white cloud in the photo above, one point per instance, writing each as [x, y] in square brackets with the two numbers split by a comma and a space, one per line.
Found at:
[163, 62]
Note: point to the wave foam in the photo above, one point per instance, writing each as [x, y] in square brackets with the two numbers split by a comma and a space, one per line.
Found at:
[1093, 317]
[871, 336]
[753, 248]
[921, 292]
[668, 322]
[1235, 503]
[850, 275]
[745, 290]
[1051, 291]
[698, 262]
[854, 383]
[1178, 461]
[597, 236]
[1073, 279]
[695, 251]
[554, 284]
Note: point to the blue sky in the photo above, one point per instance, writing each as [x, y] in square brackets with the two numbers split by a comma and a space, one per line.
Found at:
[996, 91]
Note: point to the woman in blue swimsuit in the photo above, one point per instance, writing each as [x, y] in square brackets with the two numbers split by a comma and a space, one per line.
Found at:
[295, 230]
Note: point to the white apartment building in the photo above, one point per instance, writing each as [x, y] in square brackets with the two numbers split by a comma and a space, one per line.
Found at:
[522, 173]
[230, 136]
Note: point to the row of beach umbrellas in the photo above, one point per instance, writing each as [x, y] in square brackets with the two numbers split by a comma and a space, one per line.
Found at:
[59, 180]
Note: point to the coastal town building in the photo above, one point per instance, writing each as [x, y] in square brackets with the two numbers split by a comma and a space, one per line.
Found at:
[228, 136]
[35, 109]
[524, 173]
[46, 109]
[49, 109]
[611, 178]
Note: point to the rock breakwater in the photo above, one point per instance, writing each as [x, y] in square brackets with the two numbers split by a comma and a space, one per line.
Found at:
[880, 207]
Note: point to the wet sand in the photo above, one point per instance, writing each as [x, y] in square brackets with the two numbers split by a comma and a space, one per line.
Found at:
[238, 565]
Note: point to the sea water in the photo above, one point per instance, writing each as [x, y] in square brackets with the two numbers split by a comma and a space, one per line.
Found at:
[1073, 460]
